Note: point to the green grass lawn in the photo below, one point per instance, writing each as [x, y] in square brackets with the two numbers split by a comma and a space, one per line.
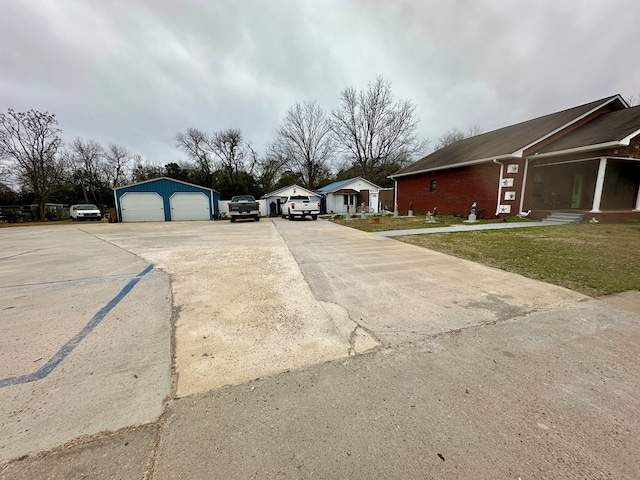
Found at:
[594, 259]
[389, 222]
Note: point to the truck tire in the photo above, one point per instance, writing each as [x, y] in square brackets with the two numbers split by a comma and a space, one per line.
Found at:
[314, 217]
[290, 216]
[257, 219]
[233, 219]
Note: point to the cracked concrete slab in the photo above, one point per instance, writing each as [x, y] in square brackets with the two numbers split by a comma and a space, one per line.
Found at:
[481, 373]
[244, 309]
[548, 395]
[78, 356]
[401, 292]
[125, 455]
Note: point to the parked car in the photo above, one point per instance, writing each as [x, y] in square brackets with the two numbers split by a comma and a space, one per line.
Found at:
[85, 211]
[300, 206]
[244, 206]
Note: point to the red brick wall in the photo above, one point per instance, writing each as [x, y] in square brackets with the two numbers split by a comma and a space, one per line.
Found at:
[456, 190]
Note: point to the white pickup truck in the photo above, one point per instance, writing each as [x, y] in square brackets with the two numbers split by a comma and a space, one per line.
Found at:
[300, 206]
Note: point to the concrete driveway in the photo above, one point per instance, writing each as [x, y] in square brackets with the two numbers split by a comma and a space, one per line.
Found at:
[306, 349]
[85, 343]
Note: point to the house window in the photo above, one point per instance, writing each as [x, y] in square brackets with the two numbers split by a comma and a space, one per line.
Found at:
[432, 187]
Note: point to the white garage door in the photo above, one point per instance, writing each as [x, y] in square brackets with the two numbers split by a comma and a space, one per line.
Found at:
[190, 206]
[142, 207]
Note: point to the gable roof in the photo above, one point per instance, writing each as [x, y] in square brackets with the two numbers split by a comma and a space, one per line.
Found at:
[507, 142]
[276, 193]
[613, 128]
[335, 186]
[158, 179]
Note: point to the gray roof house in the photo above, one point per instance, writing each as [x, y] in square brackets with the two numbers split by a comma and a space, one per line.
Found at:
[583, 160]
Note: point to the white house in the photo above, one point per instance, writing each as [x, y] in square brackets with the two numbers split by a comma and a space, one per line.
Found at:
[339, 197]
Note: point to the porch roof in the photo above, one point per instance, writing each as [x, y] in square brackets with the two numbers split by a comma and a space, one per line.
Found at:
[610, 127]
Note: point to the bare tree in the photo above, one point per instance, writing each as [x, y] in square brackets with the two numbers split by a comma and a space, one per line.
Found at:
[373, 131]
[116, 165]
[145, 170]
[198, 147]
[225, 150]
[633, 100]
[454, 135]
[30, 142]
[304, 142]
[234, 154]
[87, 161]
[5, 171]
[268, 172]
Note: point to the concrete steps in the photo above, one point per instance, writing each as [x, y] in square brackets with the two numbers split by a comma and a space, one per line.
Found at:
[558, 217]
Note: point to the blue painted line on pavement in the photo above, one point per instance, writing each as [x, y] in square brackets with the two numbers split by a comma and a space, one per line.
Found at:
[68, 347]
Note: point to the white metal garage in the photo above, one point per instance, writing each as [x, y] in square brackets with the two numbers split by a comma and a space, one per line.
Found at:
[190, 206]
[142, 207]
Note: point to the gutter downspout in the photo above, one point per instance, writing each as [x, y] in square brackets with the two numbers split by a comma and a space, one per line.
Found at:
[499, 184]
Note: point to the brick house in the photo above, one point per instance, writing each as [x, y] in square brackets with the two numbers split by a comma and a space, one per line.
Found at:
[582, 160]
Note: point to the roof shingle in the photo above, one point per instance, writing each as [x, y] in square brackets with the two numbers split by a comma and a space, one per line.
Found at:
[504, 141]
[610, 127]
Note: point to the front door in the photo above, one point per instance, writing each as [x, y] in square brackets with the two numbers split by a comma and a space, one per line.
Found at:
[576, 196]
[349, 202]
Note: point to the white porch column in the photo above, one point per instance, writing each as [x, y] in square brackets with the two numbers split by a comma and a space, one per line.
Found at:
[597, 197]
[524, 183]
[395, 197]
[637, 209]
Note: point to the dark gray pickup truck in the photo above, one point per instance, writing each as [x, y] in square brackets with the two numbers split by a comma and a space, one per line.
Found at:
[244, 206]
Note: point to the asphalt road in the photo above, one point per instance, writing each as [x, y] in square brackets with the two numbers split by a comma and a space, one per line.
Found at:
[282, 349]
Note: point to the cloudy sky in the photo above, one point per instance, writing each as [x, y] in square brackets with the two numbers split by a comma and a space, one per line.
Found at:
[135, 72]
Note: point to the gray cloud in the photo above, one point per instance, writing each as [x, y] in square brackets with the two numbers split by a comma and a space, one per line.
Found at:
[137, 72]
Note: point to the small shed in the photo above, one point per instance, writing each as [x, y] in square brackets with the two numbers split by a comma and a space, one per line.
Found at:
[277, 197]
[164, 200]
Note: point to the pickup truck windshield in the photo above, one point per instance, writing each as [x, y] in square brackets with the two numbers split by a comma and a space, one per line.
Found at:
[86, 207]
[243, 199]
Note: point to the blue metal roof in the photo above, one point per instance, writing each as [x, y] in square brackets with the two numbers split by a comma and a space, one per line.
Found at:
[335, 185]
[177, 185]
[338, 185]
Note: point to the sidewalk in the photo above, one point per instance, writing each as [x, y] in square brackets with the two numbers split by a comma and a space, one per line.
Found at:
[465, 228]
